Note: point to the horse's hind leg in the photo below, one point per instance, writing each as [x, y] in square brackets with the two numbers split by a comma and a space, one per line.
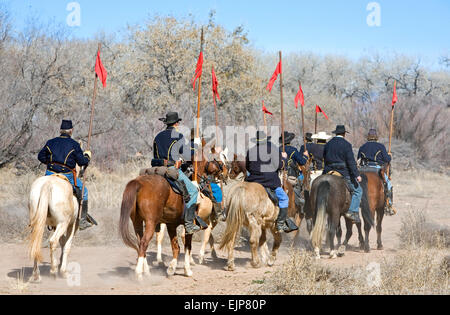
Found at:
[54, 240]
[175, 249]
[263, 247]
[277, 239]
[159, 241]
[66, 245]
[211, 243]
[142, 265]
[188, 256]
[36, 277]
[255, 234]
[380, 216]
[206, 238]
[333, 226]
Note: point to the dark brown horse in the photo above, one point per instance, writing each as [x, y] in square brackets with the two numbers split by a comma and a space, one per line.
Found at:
[330, 196]
[149, 201]
[373, 202]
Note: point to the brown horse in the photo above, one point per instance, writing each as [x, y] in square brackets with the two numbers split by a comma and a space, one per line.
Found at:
[330, 196]
[373, 202]
[151, 200]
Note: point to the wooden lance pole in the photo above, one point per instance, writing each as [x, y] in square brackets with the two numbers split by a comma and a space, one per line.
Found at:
[197, 134]
[91, 122]
[282, 118]
[315, 123]
[391, 132]
[303, 122]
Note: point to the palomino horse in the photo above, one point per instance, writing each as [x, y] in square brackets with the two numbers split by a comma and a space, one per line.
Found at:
[52, 204]
[330, 196]
[248, 205]
[150, 199]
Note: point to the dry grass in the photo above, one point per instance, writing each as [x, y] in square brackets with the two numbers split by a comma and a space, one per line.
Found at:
[419, 268]
[411, 272]
[417, 231]
[105, 197]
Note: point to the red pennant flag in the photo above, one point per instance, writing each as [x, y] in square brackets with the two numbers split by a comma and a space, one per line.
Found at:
[198, 70]
[300, 97]
[265, 110]
[395, 98]
[100, 70]
[319, 110]
[215, 86]
[274, 77]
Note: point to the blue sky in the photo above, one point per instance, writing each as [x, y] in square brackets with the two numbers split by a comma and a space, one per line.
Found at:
[417, 28]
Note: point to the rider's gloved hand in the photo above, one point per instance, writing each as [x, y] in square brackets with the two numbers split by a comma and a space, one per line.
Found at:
[88, 154]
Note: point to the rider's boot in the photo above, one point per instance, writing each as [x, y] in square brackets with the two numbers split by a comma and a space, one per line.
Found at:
[285, 224]
[353, 216]
[389, 208]
[86, 220]
[189, 217]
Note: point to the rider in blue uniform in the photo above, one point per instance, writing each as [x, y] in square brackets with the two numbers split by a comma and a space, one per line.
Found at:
[263, 162]
[167, 150]
[294, 160]
[61, 155]
[374, 154]
[338, 156]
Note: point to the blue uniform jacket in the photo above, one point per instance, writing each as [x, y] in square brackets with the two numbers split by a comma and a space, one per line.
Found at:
[374, 152]
[315, 151]
[168, 145]
[263, 162]
[62, 150]
[338, 156]
[294, 155]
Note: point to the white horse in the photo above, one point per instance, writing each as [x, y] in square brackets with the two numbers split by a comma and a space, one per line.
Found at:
[52, 204]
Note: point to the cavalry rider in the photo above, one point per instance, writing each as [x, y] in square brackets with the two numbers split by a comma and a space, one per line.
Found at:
[263, 162]
[309, 143]
[168, 151]
[338, 156]
[374, 154]
[316, 152]
[294, 160]
[61, 155]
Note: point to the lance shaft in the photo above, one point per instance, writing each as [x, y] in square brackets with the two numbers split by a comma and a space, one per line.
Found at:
[91, 122]
[198, 114]
[391, 131]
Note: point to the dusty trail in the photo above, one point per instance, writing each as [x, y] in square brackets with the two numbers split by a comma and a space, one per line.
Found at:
[109, 270]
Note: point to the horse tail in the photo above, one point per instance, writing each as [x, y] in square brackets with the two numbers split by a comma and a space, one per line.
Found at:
[321, 210]
[129, 206]
[37, 222]
[235, 215]
[365, 207]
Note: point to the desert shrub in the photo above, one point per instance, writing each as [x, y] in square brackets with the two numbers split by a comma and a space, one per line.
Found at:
[417, 231]
[410, 272]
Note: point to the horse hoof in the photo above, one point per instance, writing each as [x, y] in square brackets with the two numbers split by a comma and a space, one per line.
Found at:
[201, 260]
[36, 280]
[380, 247]
[170, 272]
[230, 267]
[256, 265]
[341, 251]
[188, 273]
[214, 254]
[193, 263]
[333, 255]
[64, 274]
[139, 277]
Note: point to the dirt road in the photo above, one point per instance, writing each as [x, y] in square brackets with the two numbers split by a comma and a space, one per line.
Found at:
[109, 270]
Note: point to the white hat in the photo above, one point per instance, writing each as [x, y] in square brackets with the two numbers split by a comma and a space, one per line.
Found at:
[322, 136]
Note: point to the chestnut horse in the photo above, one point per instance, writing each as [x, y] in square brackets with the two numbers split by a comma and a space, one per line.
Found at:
[150, 199]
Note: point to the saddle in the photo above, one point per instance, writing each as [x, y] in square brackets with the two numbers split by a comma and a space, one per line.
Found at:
[171, 175]
[337, 174]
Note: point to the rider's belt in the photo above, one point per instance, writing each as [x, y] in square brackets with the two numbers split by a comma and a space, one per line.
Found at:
[73, 171]
[159, 162]
[337, 165]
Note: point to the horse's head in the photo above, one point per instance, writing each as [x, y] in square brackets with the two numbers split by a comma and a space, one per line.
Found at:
[236, 167]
